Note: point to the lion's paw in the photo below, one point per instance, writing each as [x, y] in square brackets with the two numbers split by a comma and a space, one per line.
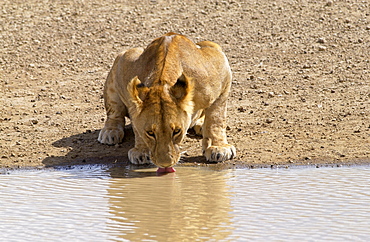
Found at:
[220, 153]
[111, 136]
[138, 157]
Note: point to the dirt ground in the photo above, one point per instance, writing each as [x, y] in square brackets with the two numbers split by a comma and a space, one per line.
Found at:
[301, 77]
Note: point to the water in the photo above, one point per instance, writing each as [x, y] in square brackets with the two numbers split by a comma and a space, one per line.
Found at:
[97, 203]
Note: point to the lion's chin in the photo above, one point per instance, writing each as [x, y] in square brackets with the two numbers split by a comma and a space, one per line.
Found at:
[165, 170]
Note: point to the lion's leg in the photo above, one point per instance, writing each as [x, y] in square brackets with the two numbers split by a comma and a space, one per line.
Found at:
[113, 131]
[140, 153]
[215, 146]
[198, 126]
[197, 122]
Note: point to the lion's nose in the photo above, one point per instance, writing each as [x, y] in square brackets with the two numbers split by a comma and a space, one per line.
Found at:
[165, 160]
[165, 164]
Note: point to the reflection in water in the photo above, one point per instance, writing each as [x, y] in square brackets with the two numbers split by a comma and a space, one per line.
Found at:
[95, 203]
[177, 207]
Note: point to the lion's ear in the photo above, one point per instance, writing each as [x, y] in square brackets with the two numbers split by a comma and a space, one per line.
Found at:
[137, 92]
[182, 89]
[182, 92]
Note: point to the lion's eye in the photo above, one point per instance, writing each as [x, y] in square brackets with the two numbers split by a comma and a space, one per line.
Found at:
[176, 132]
[151, 134]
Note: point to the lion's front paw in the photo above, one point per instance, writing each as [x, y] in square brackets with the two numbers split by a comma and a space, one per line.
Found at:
[111, 136]
[220, 153]
[138, 157]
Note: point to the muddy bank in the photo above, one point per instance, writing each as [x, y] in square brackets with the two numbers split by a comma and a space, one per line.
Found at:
[300, 93]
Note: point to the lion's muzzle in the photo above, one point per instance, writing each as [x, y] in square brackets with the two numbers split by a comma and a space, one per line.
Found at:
[165, 156]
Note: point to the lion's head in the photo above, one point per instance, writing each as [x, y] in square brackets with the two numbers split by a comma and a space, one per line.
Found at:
[161, 115]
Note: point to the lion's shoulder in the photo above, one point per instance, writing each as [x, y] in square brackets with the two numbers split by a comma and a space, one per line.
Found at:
[211, 44]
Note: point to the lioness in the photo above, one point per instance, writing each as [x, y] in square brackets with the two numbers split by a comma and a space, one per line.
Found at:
[165, 89]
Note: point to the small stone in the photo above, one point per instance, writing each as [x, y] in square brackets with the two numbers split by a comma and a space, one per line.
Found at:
[269, 120]
[271, 94]
[321, 40]
[322, 48]
[34, 121]
[242, 109]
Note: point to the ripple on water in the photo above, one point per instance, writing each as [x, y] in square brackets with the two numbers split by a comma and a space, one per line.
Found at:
[98, 203]
[319, 204]
[45, 204]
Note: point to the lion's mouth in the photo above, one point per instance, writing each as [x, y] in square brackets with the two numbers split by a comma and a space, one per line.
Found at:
[165, 170]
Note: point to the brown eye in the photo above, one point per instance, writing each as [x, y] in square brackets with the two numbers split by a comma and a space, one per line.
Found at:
[150, 133]
[176, 132]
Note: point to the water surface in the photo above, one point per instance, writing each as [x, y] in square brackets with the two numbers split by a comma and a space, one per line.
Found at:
[97, 203]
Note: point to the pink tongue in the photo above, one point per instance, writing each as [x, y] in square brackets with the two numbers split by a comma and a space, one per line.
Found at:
[166, 170]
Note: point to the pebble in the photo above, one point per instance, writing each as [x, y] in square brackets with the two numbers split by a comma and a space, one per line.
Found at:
[322, 48]
[321, 40]
[269, 120]
[242, 109]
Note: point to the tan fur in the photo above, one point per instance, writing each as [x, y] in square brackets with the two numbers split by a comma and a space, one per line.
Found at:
[169, 87]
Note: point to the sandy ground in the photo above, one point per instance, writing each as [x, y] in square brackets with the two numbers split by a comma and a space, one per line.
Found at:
[300, 93]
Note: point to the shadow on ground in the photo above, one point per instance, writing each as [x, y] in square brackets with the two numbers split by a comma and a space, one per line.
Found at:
[84, 149]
